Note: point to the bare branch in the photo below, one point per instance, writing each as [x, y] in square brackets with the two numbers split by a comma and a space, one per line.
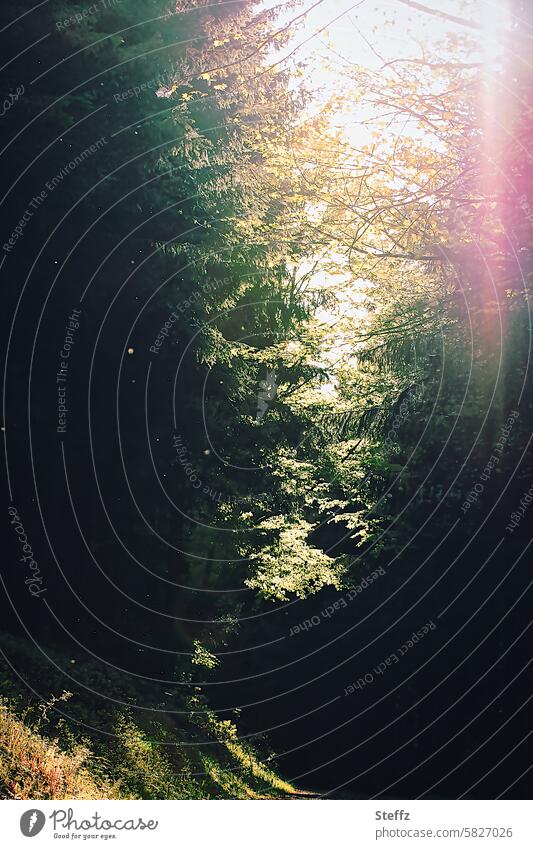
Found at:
[445, 16]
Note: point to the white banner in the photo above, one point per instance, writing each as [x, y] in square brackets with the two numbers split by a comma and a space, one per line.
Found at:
[288, 823]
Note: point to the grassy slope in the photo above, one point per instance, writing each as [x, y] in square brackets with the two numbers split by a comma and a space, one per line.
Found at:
[81, 746]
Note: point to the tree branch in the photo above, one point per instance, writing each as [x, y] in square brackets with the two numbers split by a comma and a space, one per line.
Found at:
[445, 16]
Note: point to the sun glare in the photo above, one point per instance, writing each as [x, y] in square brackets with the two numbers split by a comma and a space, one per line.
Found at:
[493, 20]
[335, 40]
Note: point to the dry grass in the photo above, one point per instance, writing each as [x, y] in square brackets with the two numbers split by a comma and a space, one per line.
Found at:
[32, 767]
[134, 765]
